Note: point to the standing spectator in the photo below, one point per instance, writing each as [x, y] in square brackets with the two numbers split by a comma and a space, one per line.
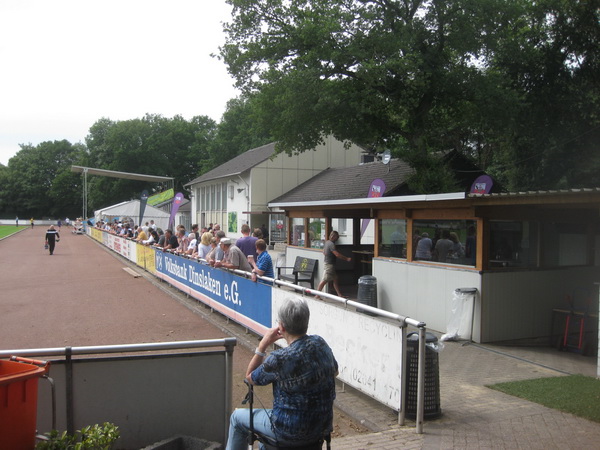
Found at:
[264, 264]
[303, 378]
[161, 238]
[141, 235]
[247, 243]
[415, 241]
[204, 247]
[424, 247]
[218, 254]
[458, 250]
[52, 237]
[214, 245]
[31, 222]
[471, 246]
[443, 246]
[192, 243]
[152, 225]
[182, 239]
[265, 233]
[17, 221]
[152, 238]
[234, 258]
[171, 242]
[330, 254]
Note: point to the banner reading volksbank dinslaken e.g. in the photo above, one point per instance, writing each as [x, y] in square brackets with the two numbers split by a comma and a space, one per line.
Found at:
[245, 301]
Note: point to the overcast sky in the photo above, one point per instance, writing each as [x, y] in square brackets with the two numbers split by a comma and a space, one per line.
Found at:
[67, 63]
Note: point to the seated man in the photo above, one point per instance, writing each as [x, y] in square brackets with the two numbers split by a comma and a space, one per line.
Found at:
[303, 377]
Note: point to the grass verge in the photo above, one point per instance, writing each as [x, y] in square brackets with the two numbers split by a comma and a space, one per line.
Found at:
[575, 394]
[7, 230]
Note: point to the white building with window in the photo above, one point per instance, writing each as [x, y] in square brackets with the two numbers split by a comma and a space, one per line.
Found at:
[238, 191]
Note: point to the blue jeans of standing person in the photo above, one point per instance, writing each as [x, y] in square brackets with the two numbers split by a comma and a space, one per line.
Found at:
[239, 427]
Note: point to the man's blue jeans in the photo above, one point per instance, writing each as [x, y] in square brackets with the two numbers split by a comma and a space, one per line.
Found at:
[239, 427]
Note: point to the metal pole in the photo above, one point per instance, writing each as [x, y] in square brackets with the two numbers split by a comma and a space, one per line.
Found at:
[228, 382]
[404, 372]
[421, 382]
[85, 194]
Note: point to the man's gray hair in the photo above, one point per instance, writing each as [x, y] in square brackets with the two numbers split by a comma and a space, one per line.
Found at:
[294, 316]
[220, 234]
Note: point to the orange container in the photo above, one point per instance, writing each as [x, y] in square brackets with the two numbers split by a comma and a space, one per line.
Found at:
[18, 402]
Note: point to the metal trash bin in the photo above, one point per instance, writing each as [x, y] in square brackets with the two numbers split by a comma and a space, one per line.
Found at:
[432, 408]
[367, 291]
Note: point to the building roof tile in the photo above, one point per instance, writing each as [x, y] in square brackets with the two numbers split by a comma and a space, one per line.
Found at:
[237, 165]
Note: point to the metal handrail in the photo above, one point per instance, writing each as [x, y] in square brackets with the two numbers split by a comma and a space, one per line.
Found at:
[402, 320]
[228, 343]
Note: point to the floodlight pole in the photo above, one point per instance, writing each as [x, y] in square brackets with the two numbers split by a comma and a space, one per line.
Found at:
[85, 193]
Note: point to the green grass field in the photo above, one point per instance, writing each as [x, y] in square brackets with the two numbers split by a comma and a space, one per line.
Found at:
[7, 230]
[575, 394]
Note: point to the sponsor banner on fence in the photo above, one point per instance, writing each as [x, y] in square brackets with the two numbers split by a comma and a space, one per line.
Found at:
[96, 234]
[241, 299]
[145, 257]
[120, 245]
[368, 350]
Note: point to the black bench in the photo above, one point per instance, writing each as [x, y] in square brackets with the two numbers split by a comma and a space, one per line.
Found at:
[304, 271]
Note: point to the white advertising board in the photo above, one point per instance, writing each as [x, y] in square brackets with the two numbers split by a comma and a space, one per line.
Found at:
[368, 350]
[124, 247]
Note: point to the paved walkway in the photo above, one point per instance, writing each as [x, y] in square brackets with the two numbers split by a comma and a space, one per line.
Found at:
[477, 417]
[48, 301]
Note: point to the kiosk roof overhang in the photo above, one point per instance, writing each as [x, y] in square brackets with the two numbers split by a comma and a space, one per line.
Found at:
[116, 174]
[371, 200]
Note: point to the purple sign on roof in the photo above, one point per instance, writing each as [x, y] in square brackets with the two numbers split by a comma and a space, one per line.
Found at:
[482, 185]
[377, 189]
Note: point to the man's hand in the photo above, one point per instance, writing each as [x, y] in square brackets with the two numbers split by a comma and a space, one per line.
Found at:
[270, 337]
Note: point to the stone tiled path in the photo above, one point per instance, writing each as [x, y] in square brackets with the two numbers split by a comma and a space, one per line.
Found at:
[476, 417]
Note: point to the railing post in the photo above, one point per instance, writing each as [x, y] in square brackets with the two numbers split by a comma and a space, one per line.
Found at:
[403, 375]
[421, 381]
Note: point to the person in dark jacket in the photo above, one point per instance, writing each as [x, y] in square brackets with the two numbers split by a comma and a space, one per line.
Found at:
[52, 237]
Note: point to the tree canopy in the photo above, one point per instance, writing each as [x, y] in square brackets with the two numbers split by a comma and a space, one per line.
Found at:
[152, 145]
[512, 83]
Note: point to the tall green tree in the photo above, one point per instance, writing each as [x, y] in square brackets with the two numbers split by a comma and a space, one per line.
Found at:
[153, 145]
[40, 182]
[553, 60]
[419, 77]
[240, 130]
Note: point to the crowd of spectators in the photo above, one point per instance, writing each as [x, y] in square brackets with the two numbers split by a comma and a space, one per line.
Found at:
[209, 245]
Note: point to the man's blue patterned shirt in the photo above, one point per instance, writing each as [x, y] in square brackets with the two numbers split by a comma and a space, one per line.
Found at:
[303, 376]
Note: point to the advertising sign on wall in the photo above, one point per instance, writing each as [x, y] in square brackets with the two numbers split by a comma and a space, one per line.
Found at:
[120, 245]
[145, 257]
[241, 299]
